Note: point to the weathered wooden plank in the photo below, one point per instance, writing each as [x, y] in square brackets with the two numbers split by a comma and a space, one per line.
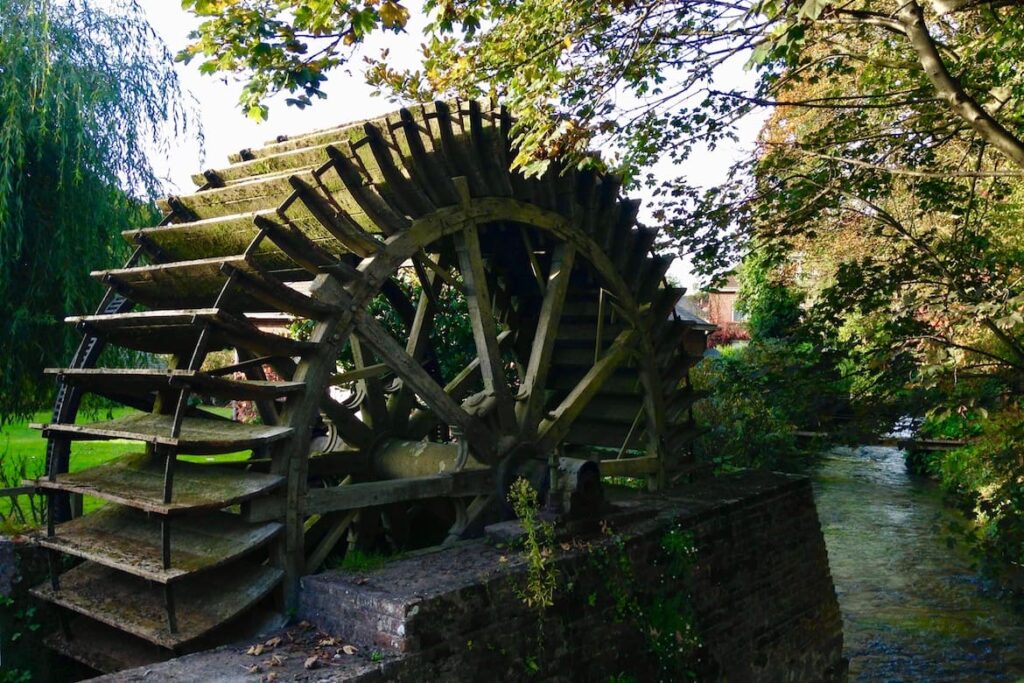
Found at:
[337, 223]
[197, 436]
[650, 276]
[295, 244]
[200, 282]
[339, 526]
[490, 151]
[272, 164]
[129, 541]
[342, 134]
[407, 196]
[253, 194]
[103, 648]
[354, 496]
[376, 207]
[630, 467]
[639, 251]
[457, 151]
[114, 382]
[427, 169]
[535, 381]
[177, 332]
[137, 480]
[137, 606]
[607, 211]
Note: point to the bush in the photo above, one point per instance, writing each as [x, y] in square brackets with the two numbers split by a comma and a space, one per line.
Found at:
[987, 479]
[758, 396]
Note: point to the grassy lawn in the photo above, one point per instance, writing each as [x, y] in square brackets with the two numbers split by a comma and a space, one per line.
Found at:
[23, 451]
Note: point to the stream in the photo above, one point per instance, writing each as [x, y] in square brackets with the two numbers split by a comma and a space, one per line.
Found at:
[913, 607]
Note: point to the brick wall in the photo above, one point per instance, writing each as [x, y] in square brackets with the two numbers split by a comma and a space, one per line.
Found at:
[759, 589]
[762, 596]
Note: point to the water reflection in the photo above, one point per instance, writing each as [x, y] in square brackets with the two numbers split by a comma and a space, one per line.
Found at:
[913, 609]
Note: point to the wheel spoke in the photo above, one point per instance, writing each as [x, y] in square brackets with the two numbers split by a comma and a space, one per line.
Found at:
[553, 430]
[422, 422]
[376, 412]
[485, 333]
[351, 428]
[481, 439]
[418, 347]
[535, 380]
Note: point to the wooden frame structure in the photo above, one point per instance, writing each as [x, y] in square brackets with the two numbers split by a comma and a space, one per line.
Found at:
[576, 350]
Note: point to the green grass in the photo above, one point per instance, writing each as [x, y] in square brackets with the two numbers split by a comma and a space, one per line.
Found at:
[23, 451]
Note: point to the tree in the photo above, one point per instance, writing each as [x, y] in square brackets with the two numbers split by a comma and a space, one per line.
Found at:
[284, 45]
[86, 94]
[642, 71]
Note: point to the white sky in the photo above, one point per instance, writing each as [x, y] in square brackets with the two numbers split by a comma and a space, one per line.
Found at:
[228, 130]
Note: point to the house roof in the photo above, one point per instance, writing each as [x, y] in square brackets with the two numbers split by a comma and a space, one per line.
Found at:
[686, 310]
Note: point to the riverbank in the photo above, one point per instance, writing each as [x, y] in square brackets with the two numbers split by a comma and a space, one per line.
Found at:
[914, 608]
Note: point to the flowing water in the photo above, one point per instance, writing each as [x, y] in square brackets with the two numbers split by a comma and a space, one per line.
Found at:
[913, 607]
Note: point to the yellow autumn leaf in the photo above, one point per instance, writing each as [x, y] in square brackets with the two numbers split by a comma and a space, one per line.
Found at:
[393, 15]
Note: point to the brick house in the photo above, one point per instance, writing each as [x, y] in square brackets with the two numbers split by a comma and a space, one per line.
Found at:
[718, 307]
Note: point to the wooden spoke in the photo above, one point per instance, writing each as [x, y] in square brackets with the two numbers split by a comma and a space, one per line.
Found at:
[481, 439]
[418, 347]
[375, 410]
[375, 370]
[553, 430]
[351, 428]
[481, 315]
[460, 385]
[535, 380]
[440, 271]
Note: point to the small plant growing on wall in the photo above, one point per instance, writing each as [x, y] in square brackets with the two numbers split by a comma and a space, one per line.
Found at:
[538, 547]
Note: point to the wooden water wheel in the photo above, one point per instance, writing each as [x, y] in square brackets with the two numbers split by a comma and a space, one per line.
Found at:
[577, 352]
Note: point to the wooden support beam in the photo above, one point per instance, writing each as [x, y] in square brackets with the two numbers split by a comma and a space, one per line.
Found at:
[375, 370]
[422, 422]
[630, 467]
[338, 527]
[418, 347]
[355, 496]
[375, 410]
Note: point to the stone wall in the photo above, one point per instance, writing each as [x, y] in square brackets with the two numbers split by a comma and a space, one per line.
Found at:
[755, 592]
